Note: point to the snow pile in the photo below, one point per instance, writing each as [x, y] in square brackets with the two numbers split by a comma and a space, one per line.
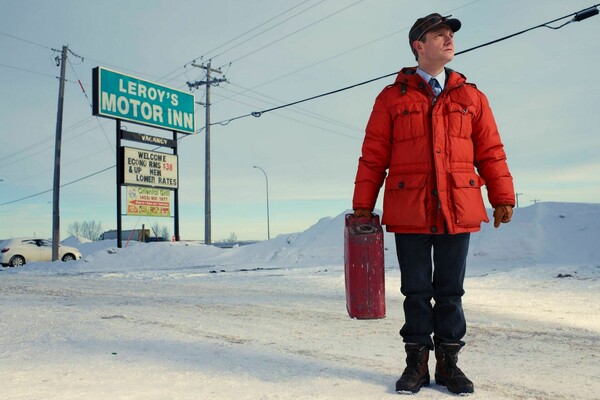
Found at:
[544, 233]
[268, 320]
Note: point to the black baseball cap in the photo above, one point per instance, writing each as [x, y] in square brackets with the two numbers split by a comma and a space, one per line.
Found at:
[432, 21]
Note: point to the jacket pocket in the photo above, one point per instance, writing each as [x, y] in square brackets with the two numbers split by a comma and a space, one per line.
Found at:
[469, 210]
[460, 120]
[408, 122]
[404, 201]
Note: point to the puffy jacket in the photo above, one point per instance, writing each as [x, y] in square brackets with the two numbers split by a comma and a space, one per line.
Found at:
[439, 153]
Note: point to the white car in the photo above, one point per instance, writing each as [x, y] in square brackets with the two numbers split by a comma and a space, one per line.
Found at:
[17, 252]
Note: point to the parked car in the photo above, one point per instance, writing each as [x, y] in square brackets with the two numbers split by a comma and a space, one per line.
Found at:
[17, 252]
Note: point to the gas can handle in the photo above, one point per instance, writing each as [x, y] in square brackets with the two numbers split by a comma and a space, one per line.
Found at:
[365, 228]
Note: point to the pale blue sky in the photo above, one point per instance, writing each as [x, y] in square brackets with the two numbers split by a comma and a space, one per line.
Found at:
[539, 85]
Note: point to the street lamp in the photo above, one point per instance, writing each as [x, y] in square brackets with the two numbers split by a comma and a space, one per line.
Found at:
[267, 182]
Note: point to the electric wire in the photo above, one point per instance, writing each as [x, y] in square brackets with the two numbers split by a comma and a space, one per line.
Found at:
[308, 113]
[343, 53]
[578, 16]
[7, 159]
[26, 41]
[32, 72]
[304, 122]
[266, 30]
[544, 25]
[58, 51]
[75, 180]
[260, 113]
[296, 31]
[37, 174]
[62, 185]
[89, 102]
[234, 39]
[279, 39]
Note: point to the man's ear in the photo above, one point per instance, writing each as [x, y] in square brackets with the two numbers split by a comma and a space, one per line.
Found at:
[417, 45]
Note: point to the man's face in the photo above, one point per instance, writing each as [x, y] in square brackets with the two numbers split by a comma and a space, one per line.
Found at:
[437, 47]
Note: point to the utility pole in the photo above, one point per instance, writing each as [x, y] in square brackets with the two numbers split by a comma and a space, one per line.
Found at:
[517, 196]
[56, 190]
[208, 82]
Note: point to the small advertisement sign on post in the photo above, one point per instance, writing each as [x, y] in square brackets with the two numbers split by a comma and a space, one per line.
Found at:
[151, 202]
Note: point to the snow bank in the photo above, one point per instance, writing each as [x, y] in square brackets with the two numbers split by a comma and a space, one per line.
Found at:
[541, 234]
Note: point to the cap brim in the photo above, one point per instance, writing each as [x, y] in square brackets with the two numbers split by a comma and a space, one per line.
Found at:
[453, 23]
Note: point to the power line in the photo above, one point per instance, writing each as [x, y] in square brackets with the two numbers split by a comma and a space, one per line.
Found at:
[58, 51]
[26, 41]
[19, 153]
[303, 122]
[31, 71]
[74, 181]
[240, 36]
[366, 44]
[264, 31]
[578, 16]
[89, 103]
[296, 31]
[331, 58]
[38, 174]
[63, 185]
[302, 111]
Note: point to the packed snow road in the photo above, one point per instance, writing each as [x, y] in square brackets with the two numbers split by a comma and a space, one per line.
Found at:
[281, 333]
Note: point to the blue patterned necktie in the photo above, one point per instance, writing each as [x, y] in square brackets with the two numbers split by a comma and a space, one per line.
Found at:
[435, 85]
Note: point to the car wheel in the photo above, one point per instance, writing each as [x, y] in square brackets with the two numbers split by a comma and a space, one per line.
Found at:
[68, 257]
[17, 261]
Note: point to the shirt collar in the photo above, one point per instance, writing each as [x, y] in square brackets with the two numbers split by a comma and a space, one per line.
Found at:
[441, 77]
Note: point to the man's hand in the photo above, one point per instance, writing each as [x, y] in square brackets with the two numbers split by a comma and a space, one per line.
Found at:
[502, 214]
[361, 212]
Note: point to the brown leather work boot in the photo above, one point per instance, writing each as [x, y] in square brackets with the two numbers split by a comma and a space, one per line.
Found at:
[416, 373]
[447, 372]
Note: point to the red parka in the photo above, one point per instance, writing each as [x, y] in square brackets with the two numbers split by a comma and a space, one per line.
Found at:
[439, 153]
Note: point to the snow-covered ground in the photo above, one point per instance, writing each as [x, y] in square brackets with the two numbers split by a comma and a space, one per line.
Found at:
[268, 321]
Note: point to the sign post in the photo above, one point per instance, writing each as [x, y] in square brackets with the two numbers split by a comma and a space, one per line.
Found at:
[149, 176]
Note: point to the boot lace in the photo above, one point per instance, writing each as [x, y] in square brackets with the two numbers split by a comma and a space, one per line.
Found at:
[450, 362]
[413, 360]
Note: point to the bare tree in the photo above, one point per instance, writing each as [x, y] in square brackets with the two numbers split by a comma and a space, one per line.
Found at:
[160, 231]
[75, 229]
[164, 233]
[90, 230]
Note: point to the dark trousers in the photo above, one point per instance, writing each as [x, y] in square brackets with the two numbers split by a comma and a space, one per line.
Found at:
[440, 279]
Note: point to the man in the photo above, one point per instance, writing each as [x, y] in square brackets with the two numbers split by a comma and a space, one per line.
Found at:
[435, 137]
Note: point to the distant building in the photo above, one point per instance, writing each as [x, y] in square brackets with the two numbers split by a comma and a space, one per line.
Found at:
[139, 235]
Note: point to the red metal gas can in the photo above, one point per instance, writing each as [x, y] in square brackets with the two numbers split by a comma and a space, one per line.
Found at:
[364, 267]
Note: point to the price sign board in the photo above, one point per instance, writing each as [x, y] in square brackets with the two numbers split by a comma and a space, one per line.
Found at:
[149, 168]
